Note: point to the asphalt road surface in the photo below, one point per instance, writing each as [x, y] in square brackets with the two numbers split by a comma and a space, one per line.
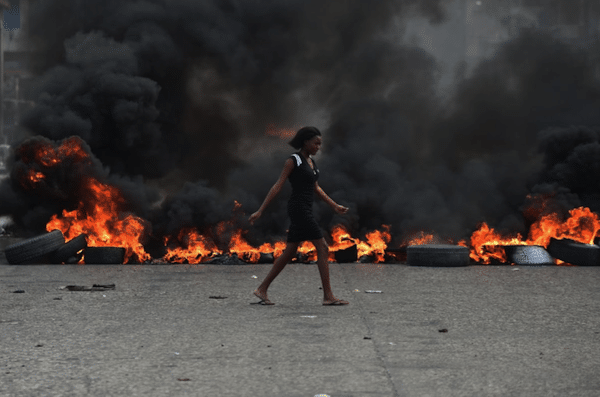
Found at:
[183, 330]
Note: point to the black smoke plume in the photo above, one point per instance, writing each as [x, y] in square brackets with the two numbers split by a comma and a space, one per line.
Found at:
[174, 98]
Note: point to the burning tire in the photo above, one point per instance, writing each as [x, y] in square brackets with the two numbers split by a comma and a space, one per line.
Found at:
[347, 255]
[104, 255]
[35, 248]
[574, 252]
[437, 255]
[69, 252]
[395, 255]
[528, 255]
[266, 258]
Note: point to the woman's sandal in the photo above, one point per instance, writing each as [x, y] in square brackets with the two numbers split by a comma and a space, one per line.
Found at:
[263, 299]
[337, 302]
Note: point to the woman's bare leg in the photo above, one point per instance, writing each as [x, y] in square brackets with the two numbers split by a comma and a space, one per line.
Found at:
[323, 264]
[288, 254]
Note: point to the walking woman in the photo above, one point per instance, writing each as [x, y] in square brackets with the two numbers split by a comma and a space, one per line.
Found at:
[303, 174]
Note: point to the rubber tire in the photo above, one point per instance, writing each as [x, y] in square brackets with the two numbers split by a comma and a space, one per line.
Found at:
[266, 258]
[574, 252]
[395, 255]
[69, 250]
[437, 255]
[347, 255]
[75, 259]
[528, 255]
[35, 248]
[104, 255]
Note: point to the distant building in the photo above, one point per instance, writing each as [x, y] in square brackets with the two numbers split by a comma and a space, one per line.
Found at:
[18, 57]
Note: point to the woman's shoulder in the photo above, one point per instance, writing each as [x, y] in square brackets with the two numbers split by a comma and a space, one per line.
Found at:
[296, 158]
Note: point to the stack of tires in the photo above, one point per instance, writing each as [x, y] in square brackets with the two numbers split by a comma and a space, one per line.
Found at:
[52, 248]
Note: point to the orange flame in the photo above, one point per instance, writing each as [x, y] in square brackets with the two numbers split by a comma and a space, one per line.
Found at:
[341, 238]
[582, 225]
[192, 247]
[34, 176]
[100, 216]
[276, 249]
[239, 246]
[421, 238]
[99, 212]
[487, 244]
[101, 220]
[307, 249]
[43, 155]
[377, 242]
[70, 148]
[375, 245]
[198, 248]
[341, 241]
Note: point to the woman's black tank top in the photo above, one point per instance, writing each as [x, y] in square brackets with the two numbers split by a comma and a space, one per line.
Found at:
[303, 179]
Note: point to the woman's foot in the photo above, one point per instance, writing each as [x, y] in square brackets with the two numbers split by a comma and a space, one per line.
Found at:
[264, 300]
[335, 302]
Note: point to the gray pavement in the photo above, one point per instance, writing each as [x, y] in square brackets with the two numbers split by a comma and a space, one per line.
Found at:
[526, 331]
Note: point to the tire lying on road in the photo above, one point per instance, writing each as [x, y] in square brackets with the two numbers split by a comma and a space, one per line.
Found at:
[104, 255]
[528, 255]
[437, 255]
[395, 254]
[574, 252]
[34, 249]
[69, 252]
[347, 255]
[266, 258]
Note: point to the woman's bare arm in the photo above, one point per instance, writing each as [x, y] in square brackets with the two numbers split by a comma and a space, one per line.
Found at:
[340, 209]
[274, 191]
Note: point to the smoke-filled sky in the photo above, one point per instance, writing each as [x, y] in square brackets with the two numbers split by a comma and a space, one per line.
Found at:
[436, 115]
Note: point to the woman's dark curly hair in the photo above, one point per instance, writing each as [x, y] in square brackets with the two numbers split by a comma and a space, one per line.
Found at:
[303, 135]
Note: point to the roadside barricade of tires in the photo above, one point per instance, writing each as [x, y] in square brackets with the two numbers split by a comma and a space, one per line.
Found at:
[574, 252]
[528, 255]
[104, 255]
[35, 249]
[437, 255]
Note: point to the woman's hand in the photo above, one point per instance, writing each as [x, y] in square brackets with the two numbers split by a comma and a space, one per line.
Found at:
[254, 217]
[340, 209]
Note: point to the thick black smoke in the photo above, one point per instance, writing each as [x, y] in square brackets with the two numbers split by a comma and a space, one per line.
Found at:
[167, 89]
[176, 94]
[405, 158]
[154, 86]
[571, 167]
